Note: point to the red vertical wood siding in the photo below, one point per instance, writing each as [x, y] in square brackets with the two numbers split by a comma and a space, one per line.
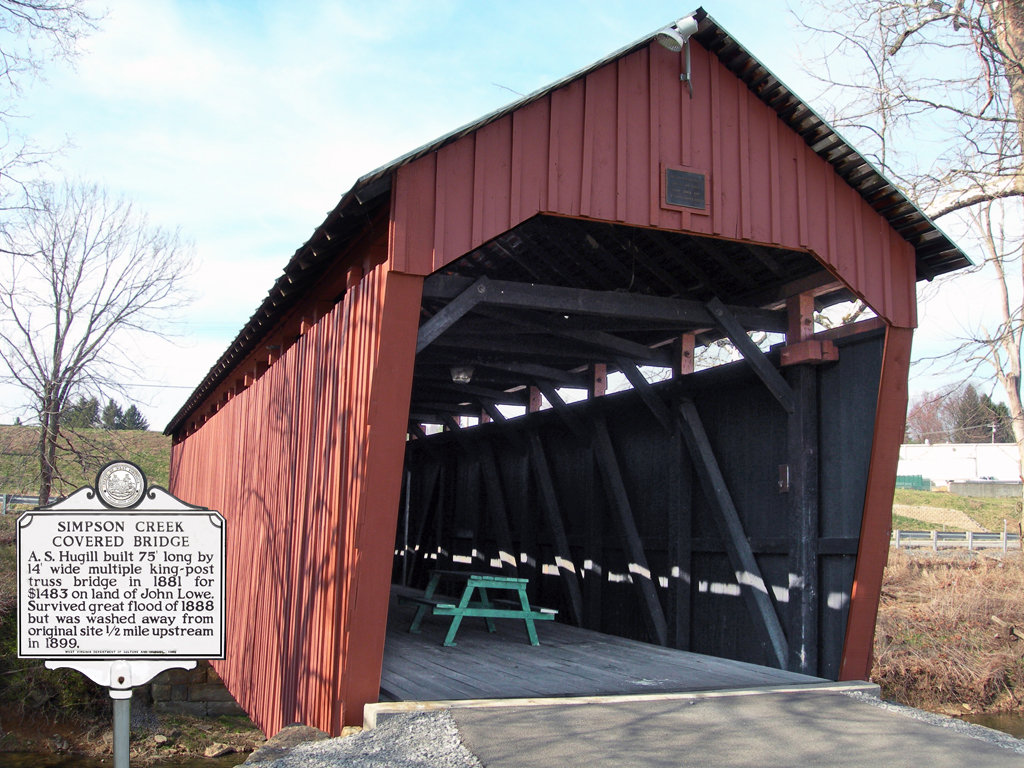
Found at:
[873, 552]
[305, 465]
[601, 142]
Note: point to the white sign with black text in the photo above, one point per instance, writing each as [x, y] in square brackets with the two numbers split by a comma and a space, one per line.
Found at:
[99, 582]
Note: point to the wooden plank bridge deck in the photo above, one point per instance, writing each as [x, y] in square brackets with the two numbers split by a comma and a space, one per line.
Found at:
[568, 662]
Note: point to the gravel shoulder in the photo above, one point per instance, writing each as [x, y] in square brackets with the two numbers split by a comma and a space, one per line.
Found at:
[415, 740]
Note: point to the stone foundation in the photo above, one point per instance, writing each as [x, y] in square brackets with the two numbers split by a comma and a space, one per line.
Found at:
[199, 692]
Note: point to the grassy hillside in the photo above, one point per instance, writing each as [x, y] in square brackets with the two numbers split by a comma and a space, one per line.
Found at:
[988, 513]
[79, 462]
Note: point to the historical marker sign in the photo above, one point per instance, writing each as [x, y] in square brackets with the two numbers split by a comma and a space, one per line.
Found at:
[121, 572]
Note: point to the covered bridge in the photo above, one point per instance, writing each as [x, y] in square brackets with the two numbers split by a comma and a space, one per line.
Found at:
[612, 223]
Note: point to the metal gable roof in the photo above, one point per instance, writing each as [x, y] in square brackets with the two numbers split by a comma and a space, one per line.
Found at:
[935, 252]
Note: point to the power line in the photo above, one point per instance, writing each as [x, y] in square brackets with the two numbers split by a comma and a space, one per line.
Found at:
[9, 379]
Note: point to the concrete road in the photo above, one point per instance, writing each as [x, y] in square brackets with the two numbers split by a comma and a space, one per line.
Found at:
[761, 731]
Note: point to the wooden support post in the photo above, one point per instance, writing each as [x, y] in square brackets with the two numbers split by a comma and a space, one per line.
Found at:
[754, 588]
[431, 483]
[801, 347]
[535, 400]
[755, 357]
[802, 434]
[684, 348]
[598, 380]
[800, 318]
[594, 548]
[553, 517]
[890, 419]
[680, 543]
[496, 509]
[639, 571]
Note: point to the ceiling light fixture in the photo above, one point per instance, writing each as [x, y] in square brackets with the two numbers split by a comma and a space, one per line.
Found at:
[462, 374]
[675, 38]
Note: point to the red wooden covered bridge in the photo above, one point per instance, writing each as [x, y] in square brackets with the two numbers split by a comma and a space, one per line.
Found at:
[616, 221]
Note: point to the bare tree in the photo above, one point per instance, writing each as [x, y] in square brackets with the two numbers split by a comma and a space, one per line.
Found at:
[32, 32]
[959, 414]
[81, 273]
[945, 79]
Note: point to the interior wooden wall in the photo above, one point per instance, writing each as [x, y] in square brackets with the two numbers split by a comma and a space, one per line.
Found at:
[468, 486]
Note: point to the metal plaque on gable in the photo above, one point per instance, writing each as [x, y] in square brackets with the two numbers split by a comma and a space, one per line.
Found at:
[686, 189]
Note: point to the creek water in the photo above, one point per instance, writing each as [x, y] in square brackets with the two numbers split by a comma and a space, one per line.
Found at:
[1012, 723]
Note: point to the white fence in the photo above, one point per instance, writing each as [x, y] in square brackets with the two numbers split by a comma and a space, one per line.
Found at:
[955, 539]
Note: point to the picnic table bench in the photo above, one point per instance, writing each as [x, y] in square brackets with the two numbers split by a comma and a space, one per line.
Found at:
[484, 606]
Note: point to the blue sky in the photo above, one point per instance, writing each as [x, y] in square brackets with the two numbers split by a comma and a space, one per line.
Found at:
[242, 123]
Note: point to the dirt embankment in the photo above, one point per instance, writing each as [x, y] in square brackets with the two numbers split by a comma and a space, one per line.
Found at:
[937, 645]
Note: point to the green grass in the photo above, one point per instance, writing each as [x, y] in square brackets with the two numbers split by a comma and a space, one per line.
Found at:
[988, 513]
[81, 460]
[901, 523]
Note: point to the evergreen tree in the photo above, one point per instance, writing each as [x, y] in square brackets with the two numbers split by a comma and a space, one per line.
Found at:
[970, 421]
[999, 414]
[112, 417]
[133, 419]
[84, 413]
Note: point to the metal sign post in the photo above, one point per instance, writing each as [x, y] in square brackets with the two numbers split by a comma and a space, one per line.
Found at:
[121, 582]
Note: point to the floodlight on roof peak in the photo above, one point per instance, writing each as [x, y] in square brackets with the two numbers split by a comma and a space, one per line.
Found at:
[675, 37]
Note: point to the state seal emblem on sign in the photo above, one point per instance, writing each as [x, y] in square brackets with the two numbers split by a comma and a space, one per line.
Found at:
[120, 485]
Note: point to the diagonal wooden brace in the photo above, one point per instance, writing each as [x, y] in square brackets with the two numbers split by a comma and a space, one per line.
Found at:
[737, 334]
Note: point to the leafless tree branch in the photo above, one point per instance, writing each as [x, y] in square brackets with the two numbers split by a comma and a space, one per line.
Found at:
[81, 272]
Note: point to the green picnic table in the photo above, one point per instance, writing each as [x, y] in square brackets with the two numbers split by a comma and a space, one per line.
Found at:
[483, 607]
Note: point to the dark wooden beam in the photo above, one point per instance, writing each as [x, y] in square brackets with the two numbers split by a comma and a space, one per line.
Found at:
[536, 371]
[754, 588]
[639, 571]
[675, 313]
[435, 388]
[680, 541]
[553, 516]
[567, 414]
[492, 410]
[767, 372]
[598, 340]
[802, 448]
[432, 481]
[523, 371]
[496, 509]
[651, 398]
[526, 348]
[450, 314]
